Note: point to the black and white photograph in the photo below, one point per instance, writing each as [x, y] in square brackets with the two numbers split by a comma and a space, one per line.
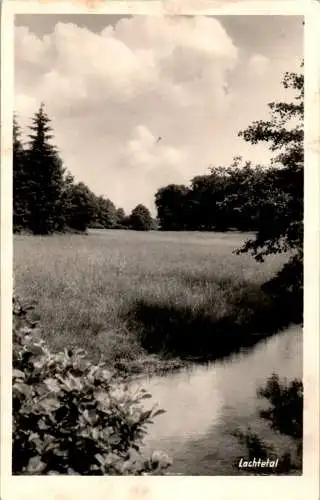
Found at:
[158, 245]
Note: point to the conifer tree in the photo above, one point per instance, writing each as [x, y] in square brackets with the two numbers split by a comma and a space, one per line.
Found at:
[45, 173]
[20, 181]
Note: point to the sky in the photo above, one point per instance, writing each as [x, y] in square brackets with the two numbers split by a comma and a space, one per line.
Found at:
[140, 102]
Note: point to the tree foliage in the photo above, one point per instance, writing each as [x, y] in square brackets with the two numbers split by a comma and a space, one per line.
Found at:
[280, 208]
[78, 209]
[120, 217]
[171, 204]
[104, 213]
[282, 195]
[226, 198]
[140, 219]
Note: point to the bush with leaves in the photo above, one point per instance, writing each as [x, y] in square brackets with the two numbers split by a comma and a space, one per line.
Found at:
[71, 416]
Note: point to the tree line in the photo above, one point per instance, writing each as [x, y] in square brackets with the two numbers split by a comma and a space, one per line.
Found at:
[217, 201]
[46, 198]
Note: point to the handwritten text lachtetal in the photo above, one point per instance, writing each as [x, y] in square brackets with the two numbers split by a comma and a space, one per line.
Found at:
[257, 462]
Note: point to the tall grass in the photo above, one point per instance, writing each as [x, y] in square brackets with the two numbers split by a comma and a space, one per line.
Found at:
[120, 294]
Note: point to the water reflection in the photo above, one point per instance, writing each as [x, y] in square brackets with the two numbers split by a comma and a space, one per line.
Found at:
[205, 405]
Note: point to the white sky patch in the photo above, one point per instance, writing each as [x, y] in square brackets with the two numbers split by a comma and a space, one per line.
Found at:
[258, 64]
[112, 93]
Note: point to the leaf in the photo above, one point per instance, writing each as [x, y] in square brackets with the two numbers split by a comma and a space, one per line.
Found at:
[95, 433]
[42, 425]
[24, 389]
[52, 385]
[89, 416]
[100, 395]
[50, 404]
[35, 465]
[41, 390]
[100, 458]
[35, 439]
[18, 374]
[74, 383]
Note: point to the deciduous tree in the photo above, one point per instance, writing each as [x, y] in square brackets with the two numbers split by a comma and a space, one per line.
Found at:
[140, 218]
[280, 206]
[171, 206]
[281, 201]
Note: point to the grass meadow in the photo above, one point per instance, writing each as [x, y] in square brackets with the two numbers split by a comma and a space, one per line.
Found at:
[127, 295]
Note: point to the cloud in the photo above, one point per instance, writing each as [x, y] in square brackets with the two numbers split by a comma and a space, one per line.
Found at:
[111, 94]
[258, 64]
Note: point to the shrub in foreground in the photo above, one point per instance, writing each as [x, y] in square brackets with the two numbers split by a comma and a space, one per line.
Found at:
[71, 416]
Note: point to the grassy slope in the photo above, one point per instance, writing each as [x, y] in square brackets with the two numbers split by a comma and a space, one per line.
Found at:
[110, 292]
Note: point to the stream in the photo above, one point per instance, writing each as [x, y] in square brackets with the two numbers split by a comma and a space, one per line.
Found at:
[206, 403]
